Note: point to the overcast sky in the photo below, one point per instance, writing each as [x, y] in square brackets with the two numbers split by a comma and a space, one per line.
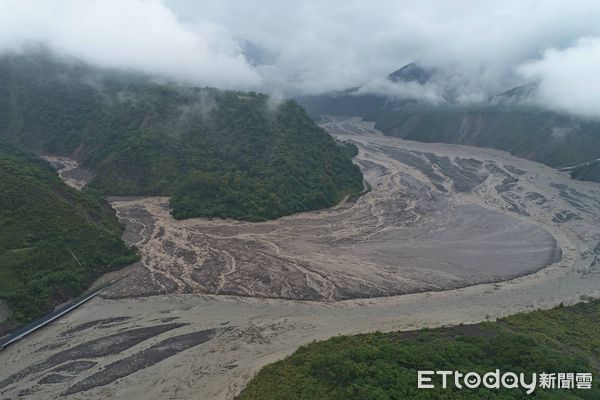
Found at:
[310, 46]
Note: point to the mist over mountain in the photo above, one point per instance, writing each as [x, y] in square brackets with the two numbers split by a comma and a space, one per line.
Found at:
[218, 153]
[477, 50]
[417, 104]
[190, 190]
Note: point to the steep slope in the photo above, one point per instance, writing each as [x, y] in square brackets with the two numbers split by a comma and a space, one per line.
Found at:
[527, 132]
[385, 365]
[506, 121]
[587, 172]
[355, 102]
[347, 102]
[411, 73]
[218, 154]
[53, 239]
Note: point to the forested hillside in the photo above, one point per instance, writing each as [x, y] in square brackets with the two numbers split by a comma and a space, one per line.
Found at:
[383, 366]
[53, 239]
[216, 153]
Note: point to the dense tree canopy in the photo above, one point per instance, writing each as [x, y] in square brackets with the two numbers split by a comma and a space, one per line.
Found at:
[216, 153]
[382, 366]
[53, 239]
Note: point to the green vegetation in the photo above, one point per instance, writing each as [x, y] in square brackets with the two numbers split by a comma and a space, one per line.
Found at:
[216, 153]
[53, 240]
[382, 366]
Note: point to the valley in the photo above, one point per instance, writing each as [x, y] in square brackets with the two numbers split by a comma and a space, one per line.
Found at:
[70, 171]
[447, 234]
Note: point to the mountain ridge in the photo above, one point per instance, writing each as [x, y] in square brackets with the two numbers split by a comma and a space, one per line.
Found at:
[507, 120]
[54, 240]
[216, 153]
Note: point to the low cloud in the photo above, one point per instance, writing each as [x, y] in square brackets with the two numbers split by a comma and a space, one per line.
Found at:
[130, 34]
[314, 46]
[568, 78]
[429, 93]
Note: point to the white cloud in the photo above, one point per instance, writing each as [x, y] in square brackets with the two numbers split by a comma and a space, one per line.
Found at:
[333, 45]
[316, 46]
[137, 34]
[568, 78]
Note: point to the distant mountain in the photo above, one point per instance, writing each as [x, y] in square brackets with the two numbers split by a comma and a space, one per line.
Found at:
[544, 136]
[411, 73]
[353, 101]
[587, 172]
[216, 153]
[506, 121]
[53, 240]
[347, 102]
[517, 95]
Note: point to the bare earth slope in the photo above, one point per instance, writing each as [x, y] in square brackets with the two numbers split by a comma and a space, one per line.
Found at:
[438, 217]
